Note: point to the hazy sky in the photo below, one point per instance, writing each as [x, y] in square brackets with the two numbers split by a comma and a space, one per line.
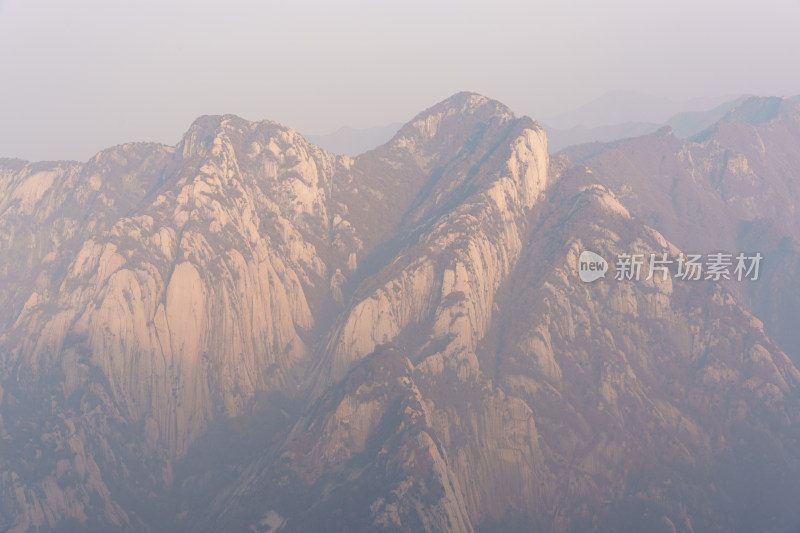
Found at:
[79, 76]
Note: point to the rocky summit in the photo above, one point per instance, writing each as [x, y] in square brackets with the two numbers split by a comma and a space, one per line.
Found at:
[244, 332]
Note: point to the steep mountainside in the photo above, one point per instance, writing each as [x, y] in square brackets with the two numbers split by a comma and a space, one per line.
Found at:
[245, 332]
[734, 189]
[685, 125]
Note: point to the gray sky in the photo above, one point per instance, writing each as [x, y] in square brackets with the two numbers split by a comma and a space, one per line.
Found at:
[79, 76]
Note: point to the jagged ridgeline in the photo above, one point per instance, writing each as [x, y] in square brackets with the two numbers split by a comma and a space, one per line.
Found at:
[244, 332]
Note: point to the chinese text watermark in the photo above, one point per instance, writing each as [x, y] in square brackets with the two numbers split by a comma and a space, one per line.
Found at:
[689, 267]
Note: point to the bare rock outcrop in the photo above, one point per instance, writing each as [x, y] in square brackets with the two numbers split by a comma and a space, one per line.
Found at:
[244, 332]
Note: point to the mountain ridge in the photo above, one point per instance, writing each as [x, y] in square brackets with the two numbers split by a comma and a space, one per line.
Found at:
[266, 335]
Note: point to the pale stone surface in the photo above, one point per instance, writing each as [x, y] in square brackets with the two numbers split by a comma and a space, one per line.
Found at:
[412, 318]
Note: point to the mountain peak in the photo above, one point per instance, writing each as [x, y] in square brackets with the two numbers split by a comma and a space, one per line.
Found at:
[468, 102]
[459, 106]
[756, 110]
[208, 130]
[403, 340]
[753, 111]
[441, 131]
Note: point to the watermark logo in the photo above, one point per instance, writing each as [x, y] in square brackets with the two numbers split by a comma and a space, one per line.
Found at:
[690, 267]
[591, 266]
[686, 267]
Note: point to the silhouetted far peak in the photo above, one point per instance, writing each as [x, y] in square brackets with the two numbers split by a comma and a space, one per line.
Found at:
[752, 111]
[756, 110]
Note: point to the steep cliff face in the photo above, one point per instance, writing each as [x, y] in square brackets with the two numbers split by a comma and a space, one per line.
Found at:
[246, 332]
[734, 188]
[47, 209]
[454, 260]
[435, 301]
[616, 369]
[554, 425]
[195, 297]
[196, 300]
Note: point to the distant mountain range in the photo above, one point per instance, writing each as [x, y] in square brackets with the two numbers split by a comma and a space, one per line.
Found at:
[618, 107]
[685, 123]
[246, 332]
[613, 116]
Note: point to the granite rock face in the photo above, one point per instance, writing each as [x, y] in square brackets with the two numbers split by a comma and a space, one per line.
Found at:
[244, 332]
